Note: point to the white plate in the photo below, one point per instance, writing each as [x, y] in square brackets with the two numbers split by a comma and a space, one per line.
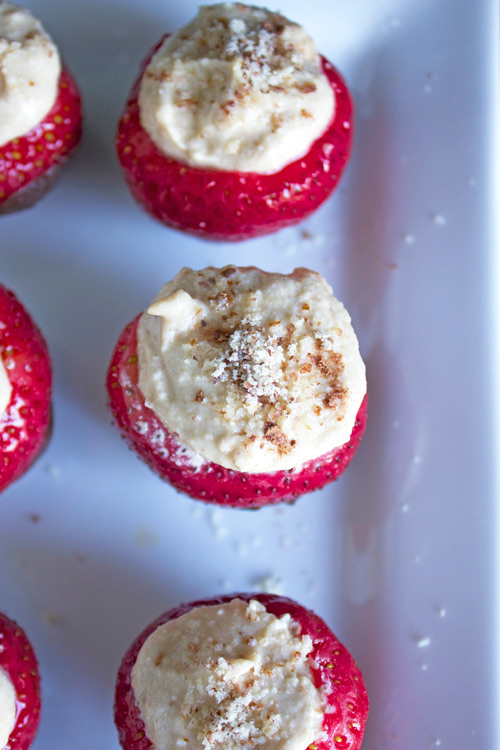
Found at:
[399, 556]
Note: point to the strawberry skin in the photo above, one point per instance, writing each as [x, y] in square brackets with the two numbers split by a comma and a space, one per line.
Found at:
[38, 154]
[18, 661]
[333, 668]
[221, 205]
[25, 424]
[211, 482]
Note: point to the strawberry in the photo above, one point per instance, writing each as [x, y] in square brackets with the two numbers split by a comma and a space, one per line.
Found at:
[29, 165]
[211, 482]
[221, 205]
[334, 671]
[18, 662]
[25, 423]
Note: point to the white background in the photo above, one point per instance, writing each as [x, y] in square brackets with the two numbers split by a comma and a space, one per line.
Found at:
[400, 555]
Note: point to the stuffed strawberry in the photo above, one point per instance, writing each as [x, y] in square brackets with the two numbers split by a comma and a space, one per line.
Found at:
[241, 387]
[240, 671]
[40, 110]
[25, 389]
[19, 688]
[235, 127]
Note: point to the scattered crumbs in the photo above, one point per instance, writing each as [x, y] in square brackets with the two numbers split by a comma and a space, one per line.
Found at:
[424, 667]
[241, 549]
[34, 518]
[409, 239]
[219, 529]
[53, 471]
[439, 219]
[393, 267]
[310, 238]
[423, 641]
[405, 508]
[312, 585]
[441, 611]
[290, 249]
[427, 86]
[226, 585]
[144, 537]
[391, 25]
[51, 618]
[269, 584]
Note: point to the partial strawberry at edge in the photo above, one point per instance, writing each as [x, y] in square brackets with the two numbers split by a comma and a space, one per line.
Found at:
[42, 150]
[232, 206]
[211, 483]
[18, 661]
[25, 424]
[333, 669]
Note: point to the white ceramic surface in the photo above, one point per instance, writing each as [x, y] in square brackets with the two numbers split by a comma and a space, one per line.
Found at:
[400, 556]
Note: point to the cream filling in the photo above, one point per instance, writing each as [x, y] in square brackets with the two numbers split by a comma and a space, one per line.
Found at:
[239, 88]
[5, 388]
[228, 676]
[7, 708]
[254, 371]
[29, 72]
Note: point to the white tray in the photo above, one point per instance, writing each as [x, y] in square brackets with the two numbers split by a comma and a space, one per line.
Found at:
[400, 555]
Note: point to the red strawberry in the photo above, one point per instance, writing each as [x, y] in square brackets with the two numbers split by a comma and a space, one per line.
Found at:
[212, 483]
[24, 426]
[221, 205]
[333, 668]
[30, 164]
[18, 662]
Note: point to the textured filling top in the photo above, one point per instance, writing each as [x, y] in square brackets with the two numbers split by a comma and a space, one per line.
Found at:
[225, 677]
[239, 88]
[254, 371]
[29, 72]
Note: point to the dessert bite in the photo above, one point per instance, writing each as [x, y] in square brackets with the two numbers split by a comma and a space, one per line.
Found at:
[236, 127]
[237, 672]
[40, 111]
[19, 688]
[241, 387]
[25, 389]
